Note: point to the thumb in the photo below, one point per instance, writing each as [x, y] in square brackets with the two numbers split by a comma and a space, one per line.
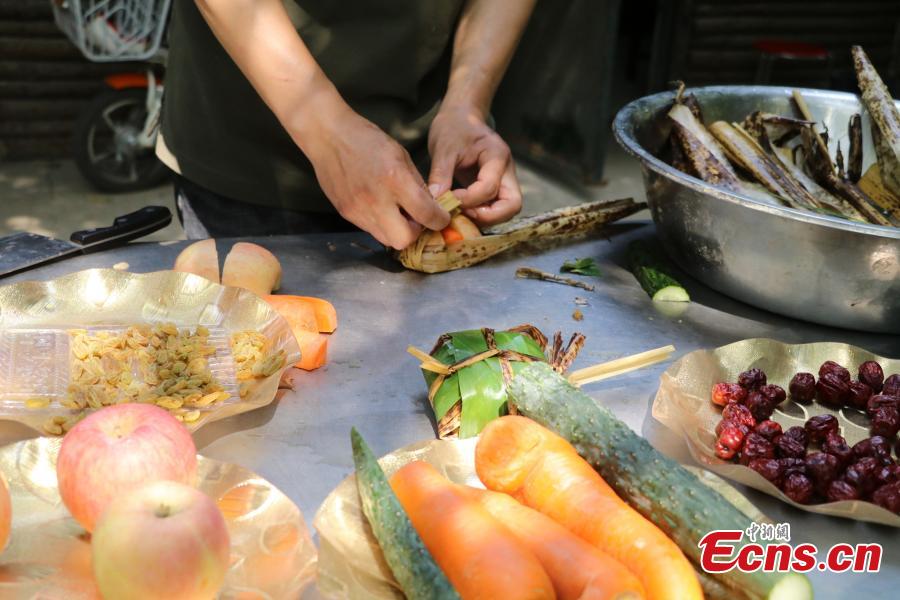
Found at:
[441, 174]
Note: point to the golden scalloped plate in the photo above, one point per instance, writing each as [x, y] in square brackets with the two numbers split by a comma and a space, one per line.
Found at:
[683, 405]
[351, 565]
[49, 554]
[107, 297]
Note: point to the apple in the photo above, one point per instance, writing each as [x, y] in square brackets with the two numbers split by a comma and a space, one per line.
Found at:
[161, 540]
[116, 450]
[200, 258]
[5, 513]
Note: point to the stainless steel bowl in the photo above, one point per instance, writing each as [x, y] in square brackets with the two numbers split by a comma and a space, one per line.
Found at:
[804, 265]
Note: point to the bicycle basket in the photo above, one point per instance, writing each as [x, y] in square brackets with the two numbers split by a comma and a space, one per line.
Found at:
[113, 30]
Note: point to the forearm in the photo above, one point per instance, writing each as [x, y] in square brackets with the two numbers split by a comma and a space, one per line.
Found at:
[485, 41]
[260, 38]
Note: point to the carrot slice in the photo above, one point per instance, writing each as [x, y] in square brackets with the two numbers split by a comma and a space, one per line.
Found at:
[517, 456]
[577, 569]
[326, 315]
[451, 235]
[300, 314]
[481, 557]
[313, 349]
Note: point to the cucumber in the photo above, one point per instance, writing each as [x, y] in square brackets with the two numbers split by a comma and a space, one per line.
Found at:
[650, 271]
[410, 562]
[653, 484]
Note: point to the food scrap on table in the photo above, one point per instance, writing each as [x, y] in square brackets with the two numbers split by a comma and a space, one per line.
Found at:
[581, 266]
[532, 273]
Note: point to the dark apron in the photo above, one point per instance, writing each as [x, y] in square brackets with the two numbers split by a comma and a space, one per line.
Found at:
[389, 59]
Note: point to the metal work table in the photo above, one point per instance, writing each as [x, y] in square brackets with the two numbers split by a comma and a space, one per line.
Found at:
[301, 443]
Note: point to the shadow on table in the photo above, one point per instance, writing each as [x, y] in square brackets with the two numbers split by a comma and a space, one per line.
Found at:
[253, 419]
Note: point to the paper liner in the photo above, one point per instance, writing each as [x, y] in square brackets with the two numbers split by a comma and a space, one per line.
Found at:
[351, 564]
[49, 554]
[683, 405]
[108, 297]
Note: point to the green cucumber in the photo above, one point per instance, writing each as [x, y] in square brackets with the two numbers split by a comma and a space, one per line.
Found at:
[410, 562]
[653, 484]
[650, 271]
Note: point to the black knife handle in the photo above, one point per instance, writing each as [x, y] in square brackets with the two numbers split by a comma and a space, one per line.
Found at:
[125, 228]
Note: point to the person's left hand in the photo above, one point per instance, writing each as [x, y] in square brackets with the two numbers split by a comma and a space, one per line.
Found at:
[463, 147]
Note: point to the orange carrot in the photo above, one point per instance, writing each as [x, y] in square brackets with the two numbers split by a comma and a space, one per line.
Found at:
[578, 570]
[481, 557]
[326, 315]
[451, 235]
[517, 456]
[313, 349]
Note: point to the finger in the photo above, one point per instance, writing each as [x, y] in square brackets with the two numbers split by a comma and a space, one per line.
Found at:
[493, 163]
[399, 231]
[440, 176]
[506, 206]
[421, 206]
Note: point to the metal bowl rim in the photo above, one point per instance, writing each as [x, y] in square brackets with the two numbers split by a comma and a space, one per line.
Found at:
[623, 127]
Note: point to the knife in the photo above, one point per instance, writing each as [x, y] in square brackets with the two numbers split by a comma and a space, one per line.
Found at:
[23, 251]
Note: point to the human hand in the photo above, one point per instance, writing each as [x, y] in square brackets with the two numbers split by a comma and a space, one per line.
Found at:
[370, 179]
[462, 146]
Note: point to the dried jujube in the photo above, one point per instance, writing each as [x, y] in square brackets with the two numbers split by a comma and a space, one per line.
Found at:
[891, 385]
[729, 441]
[822, 469]
[818, 427]
[756, 446]
[787, 447]
[768, 429]
[793, 465]
[880, 400]
[760, 407]
[752, 379]
[837, 446]
[724, 393]
[829, 366]
[886, 421]
[803, 388]
[861, 474]
[841, 490]
[740, 414]
[876, 446]
[887, 474]
[858, 395]
[774, 393]
[871, 373]
[769, 468]
[832, 390]
[798, 488]
[888, 496]
[798, 433]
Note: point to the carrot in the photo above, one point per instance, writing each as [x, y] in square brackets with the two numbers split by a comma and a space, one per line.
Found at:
[326, 315]
[481, 557]
[517, 456]
[451, 235]
[577, 569]
[313, 349]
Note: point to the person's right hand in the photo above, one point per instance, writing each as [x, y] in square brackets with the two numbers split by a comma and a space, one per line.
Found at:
[371, 180]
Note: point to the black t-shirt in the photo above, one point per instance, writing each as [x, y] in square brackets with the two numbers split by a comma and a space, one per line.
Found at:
[389, 59]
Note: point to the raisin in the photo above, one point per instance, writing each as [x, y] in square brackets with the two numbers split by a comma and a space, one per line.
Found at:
[803, 388]
[858, 395]
[876, 446]
[740, 414]
[871, 374]
[888, 496]
[861, 474]
[793, 465]
[752, 379]
[756, 446]
[887, 474]
[829, 366]
[769, 468]
[798, 432]
[725, 393]
[774, 393]
[841, 490]
[818, 427]
[760, 407]
[822, 469]
[838, 447]
[798, 488]
[832, 390]
[891, 386]
[880, 400]
[768, 429]
[789, 448]
[886, 421]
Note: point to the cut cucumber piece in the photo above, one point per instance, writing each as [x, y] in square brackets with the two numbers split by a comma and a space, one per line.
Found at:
[650, 271]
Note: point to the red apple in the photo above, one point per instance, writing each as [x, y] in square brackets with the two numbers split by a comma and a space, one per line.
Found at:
[162, 540]
[5, 513]
[117, 449]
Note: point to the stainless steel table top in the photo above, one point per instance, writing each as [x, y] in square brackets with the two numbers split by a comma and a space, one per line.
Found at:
[301, 442]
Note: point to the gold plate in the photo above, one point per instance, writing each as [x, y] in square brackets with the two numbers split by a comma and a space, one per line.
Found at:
[683, 405]
[49, 554]
[108, 297]
[351, 565]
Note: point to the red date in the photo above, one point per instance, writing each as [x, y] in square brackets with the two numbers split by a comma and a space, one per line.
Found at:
[871, 374]
[725, 393]
[887, 474]
[822, 469]
[891, 386]
[841, 490]
[760, 407]
[829, 366]
[769, 468]
[752, 379]
[858, 395]
[798, 433]
[768, 429]
[738, 413]
[888, 496]
[756, 446]
[886, 421]
[732, 437]
[879, 401]
[773, 393]
[837, 446]
[819, 426]
[875, 446]
[803, 388]
[793, 465]
[832, 390]
[787, 447]
[798, 488]
[861, 474]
